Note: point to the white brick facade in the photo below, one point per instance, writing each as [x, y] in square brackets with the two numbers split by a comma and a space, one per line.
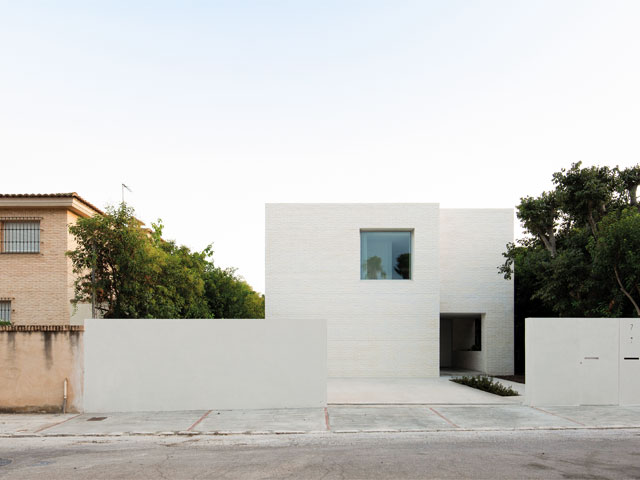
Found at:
[471, 246]
[389, 328]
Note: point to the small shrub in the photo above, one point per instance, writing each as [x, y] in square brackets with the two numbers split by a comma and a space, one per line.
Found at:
[487, 384]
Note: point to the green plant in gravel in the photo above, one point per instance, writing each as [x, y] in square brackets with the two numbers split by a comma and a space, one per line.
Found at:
[487, 384]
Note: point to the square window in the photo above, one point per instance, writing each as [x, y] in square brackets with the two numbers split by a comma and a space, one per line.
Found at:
[20, 236]
[5, 311]
[385, 255]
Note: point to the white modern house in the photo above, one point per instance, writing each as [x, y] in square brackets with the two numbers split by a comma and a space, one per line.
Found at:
[405, 289]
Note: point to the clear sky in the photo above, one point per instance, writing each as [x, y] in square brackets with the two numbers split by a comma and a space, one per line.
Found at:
[210, 109]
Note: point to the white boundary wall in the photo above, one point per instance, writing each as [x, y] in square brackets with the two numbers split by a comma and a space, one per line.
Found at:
[582, 361]
[163, 365]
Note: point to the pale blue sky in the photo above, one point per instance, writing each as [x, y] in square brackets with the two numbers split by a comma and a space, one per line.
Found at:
[210, 109]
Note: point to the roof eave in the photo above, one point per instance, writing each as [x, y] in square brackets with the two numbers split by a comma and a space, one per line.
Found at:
[72, 203]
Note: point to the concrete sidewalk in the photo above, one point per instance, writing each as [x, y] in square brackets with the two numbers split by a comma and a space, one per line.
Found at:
[333, 419]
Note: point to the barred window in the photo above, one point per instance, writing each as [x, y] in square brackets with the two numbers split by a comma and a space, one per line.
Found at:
[20, 235]
[5, 310]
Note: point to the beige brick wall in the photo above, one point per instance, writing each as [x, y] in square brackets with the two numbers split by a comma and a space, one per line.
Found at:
[71, 245]
[39, 284]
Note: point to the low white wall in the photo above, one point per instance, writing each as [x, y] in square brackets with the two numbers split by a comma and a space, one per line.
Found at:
[582, 361]
[156, 365]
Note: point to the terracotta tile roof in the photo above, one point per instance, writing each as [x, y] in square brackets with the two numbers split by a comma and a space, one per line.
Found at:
[51, 195]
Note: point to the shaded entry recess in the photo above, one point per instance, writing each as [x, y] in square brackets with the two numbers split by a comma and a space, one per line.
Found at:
[461, 341]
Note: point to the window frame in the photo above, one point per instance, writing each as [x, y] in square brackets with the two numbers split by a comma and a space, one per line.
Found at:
[410, 231]
[7, 308]
[34, 243]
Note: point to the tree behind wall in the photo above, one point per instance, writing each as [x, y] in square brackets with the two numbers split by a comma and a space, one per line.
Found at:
[229, 296]
[136, 274]
[581, 257]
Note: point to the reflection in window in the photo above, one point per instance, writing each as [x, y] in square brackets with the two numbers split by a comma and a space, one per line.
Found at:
[385, 255]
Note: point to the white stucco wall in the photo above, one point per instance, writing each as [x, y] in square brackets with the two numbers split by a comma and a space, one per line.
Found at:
[471, 246]
[375, 328]
[582, 361]
[157, 365]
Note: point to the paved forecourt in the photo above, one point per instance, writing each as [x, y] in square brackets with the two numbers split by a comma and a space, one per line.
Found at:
[334, 419]
[431, 391]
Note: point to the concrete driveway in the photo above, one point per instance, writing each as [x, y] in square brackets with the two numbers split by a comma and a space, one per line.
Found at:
[422, 391]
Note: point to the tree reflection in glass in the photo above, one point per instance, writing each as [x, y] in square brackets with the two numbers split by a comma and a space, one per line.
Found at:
[403, 265]
[385, 255]
[374, 268]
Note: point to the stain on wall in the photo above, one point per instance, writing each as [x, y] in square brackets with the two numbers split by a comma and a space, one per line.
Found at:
[36, 360]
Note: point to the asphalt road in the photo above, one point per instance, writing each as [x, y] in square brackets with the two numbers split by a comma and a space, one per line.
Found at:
[564, 454]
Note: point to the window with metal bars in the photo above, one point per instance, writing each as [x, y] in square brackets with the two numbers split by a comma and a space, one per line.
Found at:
[5, 311]
[20, 235]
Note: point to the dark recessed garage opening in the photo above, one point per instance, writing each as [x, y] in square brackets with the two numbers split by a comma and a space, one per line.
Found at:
[461, 341]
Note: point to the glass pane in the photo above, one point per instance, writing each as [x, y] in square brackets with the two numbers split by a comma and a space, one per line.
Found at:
[5, 311]
[385, 255]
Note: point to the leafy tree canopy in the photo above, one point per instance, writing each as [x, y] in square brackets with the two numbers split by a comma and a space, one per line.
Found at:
[581, 256]
[134, 273]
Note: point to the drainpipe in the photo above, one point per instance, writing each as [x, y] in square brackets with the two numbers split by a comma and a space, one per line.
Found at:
[64, 397]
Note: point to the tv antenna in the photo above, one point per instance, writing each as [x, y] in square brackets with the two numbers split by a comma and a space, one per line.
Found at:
[123, 187]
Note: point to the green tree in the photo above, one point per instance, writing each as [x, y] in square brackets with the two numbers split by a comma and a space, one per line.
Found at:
[617, 251]
[540, 217]
[585, 194]
[580, 255]
[132, 272]
[180, 286]
[229, 296]
[569, 263]
[630, 180]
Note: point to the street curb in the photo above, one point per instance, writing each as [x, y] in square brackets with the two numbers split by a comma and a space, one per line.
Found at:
[183, 433]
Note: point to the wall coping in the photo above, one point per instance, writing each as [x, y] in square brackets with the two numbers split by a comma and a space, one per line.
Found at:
[41, 328]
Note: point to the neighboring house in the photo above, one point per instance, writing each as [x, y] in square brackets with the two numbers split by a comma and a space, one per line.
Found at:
[405, 288]
[36, 277]
[41, 351]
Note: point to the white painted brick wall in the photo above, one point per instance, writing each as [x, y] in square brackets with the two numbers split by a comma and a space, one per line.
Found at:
[376, 328]
[471, 246]
[390, 328]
